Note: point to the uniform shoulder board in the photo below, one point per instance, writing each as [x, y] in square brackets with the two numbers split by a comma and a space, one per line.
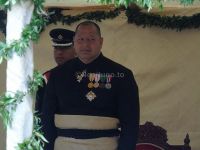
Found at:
[46, 76]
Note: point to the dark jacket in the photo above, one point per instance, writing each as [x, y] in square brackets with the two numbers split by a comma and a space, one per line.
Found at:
[66, 95]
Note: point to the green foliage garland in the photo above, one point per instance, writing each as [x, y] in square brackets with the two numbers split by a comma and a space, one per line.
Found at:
[134, 15]
[37, 140]
[31, 31]
[148, 4]
[10, 100]
[7, 4]
[55, 15]
[8, 104]
[35, 82]
[167, 22]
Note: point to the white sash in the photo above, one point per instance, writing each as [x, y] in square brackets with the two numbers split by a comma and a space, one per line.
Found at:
[85, 122]
[104, 143]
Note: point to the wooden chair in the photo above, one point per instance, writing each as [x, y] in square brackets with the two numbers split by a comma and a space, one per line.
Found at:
[153, 137]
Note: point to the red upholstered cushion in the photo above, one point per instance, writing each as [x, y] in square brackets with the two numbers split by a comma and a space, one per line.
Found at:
[148, 146]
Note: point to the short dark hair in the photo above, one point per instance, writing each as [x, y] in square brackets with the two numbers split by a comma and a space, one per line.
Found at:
[85, 23]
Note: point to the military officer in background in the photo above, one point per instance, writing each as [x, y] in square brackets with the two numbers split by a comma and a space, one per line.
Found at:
[62, 42]
[91, 102]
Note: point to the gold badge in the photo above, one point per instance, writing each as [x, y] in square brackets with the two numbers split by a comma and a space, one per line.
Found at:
[80, 75]
[90, 85]
[90, 96]
[96, 85]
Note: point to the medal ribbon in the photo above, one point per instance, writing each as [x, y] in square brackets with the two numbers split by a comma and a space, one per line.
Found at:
[109, 77]
[97, 77]
[91, 77]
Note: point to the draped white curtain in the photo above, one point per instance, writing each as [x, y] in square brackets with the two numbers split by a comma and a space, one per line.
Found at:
[18, 69]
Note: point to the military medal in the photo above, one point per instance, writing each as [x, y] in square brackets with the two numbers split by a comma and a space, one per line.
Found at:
[96, 85]
[80, 75]
[90, 96]
[102, 79]
[91, 78]
[90, 85]
[97, 78]
[108, 84]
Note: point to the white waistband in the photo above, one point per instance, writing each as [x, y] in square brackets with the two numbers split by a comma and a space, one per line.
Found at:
[85, 122]
[105, 143]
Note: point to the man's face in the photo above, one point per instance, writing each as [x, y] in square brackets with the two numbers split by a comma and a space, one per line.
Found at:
[63, 54]
[87, 43]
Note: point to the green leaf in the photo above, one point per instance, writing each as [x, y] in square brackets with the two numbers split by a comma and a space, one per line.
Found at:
[1, 59]
[35, 82]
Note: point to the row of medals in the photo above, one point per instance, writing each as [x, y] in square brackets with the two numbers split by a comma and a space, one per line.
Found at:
[96, 81]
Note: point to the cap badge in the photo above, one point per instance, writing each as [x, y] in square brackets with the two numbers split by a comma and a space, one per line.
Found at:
[60, 37]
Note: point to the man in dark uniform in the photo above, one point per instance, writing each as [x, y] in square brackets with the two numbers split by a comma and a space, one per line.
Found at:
[62, 42]
[92, 102]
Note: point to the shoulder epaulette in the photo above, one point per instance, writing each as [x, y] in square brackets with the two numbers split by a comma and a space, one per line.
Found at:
[46, 76]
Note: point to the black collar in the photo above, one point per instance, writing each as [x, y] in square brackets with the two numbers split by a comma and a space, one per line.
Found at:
[93, 63]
